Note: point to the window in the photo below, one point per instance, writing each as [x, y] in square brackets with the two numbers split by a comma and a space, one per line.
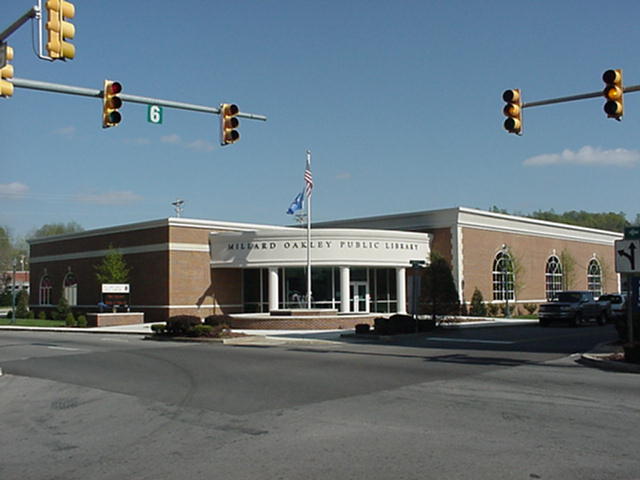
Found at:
[553, 277]
[594, 277]
[503, 279]
[70, 289]
[44, 293]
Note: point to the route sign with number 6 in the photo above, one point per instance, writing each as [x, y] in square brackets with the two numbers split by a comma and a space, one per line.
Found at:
[154, 114]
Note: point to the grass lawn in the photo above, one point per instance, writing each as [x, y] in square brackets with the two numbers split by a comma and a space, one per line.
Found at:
[29, 322]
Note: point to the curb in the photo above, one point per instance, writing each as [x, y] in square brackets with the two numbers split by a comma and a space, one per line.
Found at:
[600, 360]
[68, 330]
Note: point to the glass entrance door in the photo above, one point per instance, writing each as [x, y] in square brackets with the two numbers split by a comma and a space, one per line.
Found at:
[359, 292]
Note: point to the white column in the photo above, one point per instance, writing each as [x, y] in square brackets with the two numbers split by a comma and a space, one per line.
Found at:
[273, 288]
[345, 279]
[401, 289]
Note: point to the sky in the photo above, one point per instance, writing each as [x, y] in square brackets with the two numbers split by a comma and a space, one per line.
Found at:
[399, 103]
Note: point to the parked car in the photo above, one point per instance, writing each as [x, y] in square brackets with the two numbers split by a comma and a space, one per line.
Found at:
[574, 307]
[618, 303]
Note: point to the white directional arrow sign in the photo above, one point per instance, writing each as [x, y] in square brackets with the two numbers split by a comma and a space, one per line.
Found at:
[627, 256]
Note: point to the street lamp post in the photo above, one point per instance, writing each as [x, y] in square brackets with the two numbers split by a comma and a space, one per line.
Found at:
[13, 293]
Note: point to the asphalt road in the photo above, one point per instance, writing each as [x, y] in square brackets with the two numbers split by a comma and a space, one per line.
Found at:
[480, 403]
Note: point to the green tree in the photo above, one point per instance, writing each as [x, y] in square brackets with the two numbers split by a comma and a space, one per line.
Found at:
[62, 309]
[568, 269]
[6, 249]
[478, 308]
[51, 229]
[438, 287]
[113, 268]
[22, 304]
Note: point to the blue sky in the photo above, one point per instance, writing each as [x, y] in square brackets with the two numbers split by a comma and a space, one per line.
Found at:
[400, 103]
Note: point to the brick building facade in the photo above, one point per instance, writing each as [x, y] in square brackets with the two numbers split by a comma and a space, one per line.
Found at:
[173, 270]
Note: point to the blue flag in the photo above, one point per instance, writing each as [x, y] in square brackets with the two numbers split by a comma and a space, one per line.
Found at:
[297, 203]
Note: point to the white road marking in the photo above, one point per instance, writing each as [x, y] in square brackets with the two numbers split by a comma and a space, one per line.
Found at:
[469, 340]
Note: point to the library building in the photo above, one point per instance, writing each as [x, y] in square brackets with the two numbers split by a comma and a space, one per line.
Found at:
[360, 268]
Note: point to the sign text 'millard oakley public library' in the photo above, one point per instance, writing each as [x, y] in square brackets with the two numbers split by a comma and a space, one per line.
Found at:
[377, 245]
[327, 247]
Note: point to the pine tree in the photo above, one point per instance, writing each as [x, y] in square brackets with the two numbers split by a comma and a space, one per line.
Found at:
[478, 308]
[439, 289]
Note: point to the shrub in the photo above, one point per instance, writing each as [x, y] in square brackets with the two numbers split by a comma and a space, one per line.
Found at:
[182, 324]
[54, 315]
[215, 320]
[492, 309]
[530, 307]
[42, 315]
[478, 307]
[158, 328]
[82, 321]
[70, 320]
[506, 310]
[381, 325]
[202, 331]
[363, 328]
[31, 315]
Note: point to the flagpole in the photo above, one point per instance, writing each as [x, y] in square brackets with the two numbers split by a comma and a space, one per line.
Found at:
[309, 239]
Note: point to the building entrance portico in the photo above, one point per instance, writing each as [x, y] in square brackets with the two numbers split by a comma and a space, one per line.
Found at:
[353, 271]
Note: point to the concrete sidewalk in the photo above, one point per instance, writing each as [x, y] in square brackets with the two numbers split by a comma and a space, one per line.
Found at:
[328, 335]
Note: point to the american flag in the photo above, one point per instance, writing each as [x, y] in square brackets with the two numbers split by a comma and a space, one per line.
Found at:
[308, 178]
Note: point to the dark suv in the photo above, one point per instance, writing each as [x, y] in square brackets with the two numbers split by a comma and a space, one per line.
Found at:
[574, 307]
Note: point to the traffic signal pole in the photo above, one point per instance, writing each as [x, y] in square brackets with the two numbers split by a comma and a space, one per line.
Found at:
[96, 93]
[598, 94]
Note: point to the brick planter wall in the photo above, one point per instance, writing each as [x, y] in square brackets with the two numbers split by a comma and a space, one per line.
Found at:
[297, 323]
[113, 319]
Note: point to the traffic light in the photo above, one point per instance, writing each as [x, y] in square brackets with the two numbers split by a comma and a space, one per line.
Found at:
[59, 30]
[228, 123]
[613, 92]
[6, 70]
[111, 102]
[513, 111]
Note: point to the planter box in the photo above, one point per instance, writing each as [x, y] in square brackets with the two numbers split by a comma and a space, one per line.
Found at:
[114, 319]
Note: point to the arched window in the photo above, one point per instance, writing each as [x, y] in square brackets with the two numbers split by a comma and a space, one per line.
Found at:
[552, 276]
[44, 292]
[503, 280]
[70, 288]
[594, 276]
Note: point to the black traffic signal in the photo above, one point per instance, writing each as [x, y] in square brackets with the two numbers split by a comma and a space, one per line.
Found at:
[613, 92]
[513, 111]
[229, 123]
[111, 102]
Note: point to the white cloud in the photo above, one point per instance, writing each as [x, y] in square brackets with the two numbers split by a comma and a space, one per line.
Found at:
[109, 198]
[201, 146]
[587, 155]
[69, 131]
[137, 141]
[173, 138]
[13, 190]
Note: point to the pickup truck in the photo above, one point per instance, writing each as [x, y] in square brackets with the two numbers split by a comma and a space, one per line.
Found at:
[575, 307]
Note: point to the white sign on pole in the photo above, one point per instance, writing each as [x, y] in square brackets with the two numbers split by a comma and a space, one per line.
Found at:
[627, 256]
[115, 288]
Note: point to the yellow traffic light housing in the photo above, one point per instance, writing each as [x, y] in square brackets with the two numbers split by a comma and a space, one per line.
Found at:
[613, 92]
[59, 30]
[111, 102]
[6, 70]
[513, 111]
[228, 123]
